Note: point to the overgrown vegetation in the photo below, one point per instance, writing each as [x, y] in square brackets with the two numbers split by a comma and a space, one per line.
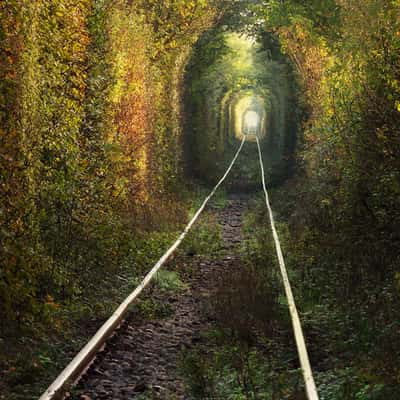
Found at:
[89, 150]
[343, 210]
[92, 155]
[90, 159]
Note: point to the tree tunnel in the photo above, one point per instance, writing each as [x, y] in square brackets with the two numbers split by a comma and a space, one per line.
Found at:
[234, 86]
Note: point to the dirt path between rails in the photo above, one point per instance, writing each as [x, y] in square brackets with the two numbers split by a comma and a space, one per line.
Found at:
[141, 360]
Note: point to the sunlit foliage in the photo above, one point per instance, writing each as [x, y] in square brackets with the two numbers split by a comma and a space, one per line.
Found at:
[92, 150]
[90, 138]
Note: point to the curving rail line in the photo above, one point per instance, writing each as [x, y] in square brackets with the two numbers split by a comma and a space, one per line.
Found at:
[84, 358]
[81, 361]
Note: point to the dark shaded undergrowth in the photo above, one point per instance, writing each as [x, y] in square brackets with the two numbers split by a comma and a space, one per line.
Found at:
[251, 352]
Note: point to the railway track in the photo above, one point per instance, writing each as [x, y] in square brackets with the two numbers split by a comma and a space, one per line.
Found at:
[141, 359]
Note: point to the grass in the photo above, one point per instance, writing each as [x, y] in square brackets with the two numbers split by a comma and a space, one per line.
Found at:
[150, 309]
[204, 239]
[169, 281]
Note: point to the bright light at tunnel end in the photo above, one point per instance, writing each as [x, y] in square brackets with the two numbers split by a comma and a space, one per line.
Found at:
[251, 119]
[251, 122]
[249, 116]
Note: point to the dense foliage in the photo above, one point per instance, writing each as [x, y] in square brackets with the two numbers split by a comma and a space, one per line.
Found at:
[93, 150]
[89, 134]
[344, 212]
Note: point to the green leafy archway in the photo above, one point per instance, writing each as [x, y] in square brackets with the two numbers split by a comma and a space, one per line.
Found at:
[239, 67]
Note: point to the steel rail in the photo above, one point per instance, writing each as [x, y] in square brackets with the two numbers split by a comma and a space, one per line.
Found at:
[81, 361]
[311, 389]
